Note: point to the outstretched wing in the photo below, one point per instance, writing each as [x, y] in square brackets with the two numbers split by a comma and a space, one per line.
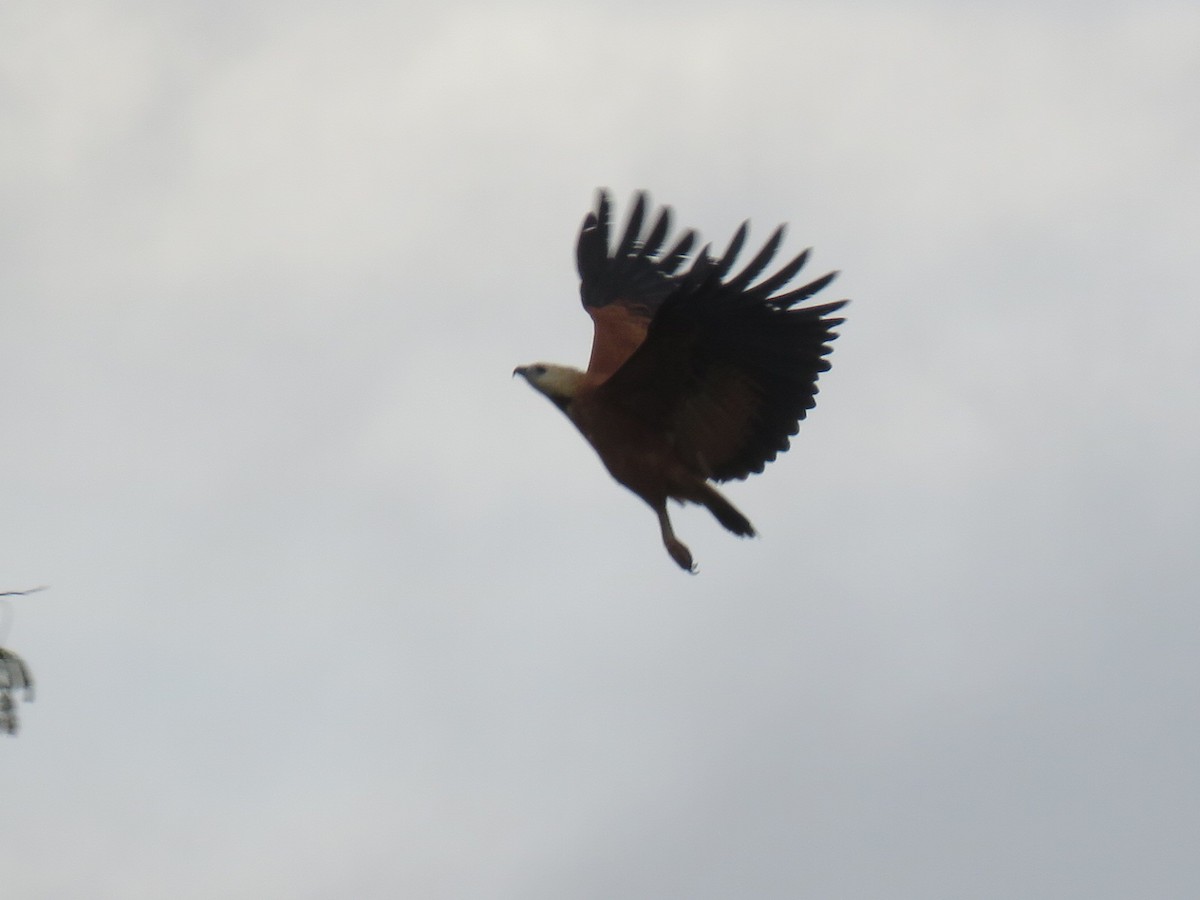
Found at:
[623, 289]
[729, 368]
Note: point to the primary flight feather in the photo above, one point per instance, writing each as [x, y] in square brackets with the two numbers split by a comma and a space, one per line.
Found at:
[696, 375]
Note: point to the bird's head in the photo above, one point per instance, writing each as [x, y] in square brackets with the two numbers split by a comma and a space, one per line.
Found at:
[559, 383]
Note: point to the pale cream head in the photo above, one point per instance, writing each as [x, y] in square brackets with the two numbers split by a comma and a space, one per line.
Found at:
[559, 383]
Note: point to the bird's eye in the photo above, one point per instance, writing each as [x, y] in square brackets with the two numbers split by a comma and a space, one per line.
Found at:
[538, 370]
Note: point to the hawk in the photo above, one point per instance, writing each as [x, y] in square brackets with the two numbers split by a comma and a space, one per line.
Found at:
[696, 375]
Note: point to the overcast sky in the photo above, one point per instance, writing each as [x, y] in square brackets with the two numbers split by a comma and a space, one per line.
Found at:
[339, 609]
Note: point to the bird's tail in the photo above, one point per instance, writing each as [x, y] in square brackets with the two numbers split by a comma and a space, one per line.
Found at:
[725, 512]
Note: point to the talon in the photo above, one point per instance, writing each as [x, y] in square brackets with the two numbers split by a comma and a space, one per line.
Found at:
[681, 554]
[678, 550]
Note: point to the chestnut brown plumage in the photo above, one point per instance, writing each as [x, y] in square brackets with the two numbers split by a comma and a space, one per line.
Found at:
[695, 375]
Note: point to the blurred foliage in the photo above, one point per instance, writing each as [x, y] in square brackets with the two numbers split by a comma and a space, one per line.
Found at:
[14, 677]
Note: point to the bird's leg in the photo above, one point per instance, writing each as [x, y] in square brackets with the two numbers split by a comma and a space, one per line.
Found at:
[678, 550]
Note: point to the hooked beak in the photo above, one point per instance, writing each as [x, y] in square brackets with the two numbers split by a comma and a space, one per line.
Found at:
[520, 370]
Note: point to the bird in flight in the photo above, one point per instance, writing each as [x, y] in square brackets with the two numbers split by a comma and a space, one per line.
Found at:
[696, 375]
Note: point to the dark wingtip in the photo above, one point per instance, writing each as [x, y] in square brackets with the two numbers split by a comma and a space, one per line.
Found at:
[633, 230]
[602, 202]
[791, 298]
[591, 250]
[742, 280]
[658, 233]
[734, 249]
